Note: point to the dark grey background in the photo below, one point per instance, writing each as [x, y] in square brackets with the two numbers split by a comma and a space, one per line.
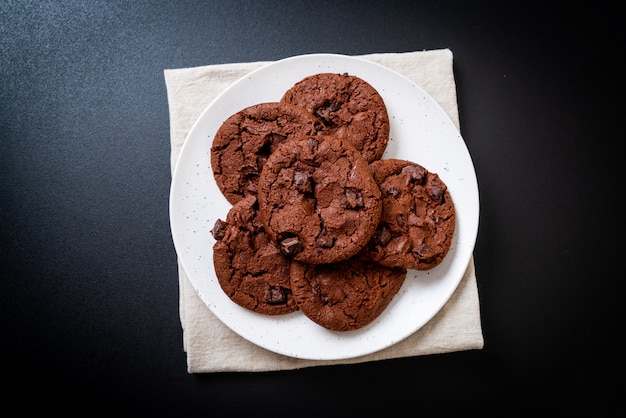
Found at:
[89, 296]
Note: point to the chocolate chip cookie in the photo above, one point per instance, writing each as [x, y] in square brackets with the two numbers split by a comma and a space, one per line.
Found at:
[244, 141]
[318, 199]
[347, 295]
[418, 219]
[348, 106]
[250, 268]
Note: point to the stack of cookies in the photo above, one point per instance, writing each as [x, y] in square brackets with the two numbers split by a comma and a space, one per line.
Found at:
[320, 222]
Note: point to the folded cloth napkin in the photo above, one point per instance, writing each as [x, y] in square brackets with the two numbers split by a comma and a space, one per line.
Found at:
[213, 347]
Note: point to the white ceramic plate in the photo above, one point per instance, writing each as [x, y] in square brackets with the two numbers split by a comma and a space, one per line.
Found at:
[420, 131]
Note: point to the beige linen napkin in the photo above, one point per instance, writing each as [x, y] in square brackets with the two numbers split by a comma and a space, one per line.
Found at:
[213, 347]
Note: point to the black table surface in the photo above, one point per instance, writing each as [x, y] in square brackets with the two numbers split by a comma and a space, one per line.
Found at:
[89, 293]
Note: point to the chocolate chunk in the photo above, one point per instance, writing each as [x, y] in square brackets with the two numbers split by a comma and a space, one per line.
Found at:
[324, 241]
[303, 181]
[352, 200]
[414, 220]
[382, 236]
[275, 295]
[322, 113]
[312, 143]
[291, 245]
[436, 191]
[219, 229]
[392, 191]
[421, 249]
[417, 173]
[261, 239]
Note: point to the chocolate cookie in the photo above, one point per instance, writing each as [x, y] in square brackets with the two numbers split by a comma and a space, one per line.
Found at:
[244, 141]
[348, 106]
[318, 200]
[347, 295]
[249, 266]
[418, 220]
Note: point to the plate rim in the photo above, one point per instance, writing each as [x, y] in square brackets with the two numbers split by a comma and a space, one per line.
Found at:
[267, 67]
